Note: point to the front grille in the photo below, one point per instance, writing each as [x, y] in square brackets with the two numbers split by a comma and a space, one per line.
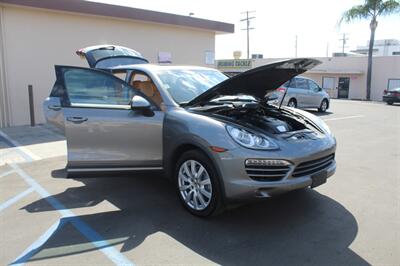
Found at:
[311, 167]
[267, 173]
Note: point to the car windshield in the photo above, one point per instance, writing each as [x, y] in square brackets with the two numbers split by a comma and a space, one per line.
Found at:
[186, 84]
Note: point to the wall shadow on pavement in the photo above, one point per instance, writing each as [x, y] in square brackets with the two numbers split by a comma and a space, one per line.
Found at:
[303, 227]
[27, 135]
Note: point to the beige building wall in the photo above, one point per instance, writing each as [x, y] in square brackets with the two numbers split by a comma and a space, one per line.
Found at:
[355, 68]
[34, 40]
[336, 67]
[384, 68]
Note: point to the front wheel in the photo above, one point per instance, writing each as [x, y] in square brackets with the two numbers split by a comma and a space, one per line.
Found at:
[292, 103]
[324, 106]
[198, 185]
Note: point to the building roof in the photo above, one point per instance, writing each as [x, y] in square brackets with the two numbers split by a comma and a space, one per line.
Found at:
[109, 10]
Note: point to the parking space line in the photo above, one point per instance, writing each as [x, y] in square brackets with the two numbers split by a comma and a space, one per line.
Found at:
[104, 246]
[34, 248]
[342, 118]
[16, 198]
[24, 152]
[113, 254]
[7, 173]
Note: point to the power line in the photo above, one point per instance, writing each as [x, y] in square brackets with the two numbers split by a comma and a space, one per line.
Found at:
[247, 19]
[295, 47]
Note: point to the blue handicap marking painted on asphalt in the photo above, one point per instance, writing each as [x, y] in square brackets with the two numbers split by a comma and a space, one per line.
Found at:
[36, 246]
[95, 238]
[91, 235]
[113, 254]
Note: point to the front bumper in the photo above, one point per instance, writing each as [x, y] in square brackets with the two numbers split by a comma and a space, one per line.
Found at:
[238, 184]
[393, 99]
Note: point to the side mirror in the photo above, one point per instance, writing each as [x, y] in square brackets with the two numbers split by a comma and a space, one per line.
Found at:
[271, 97]
[139, 103]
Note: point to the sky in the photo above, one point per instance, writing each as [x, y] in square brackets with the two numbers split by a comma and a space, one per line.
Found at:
[277, 22]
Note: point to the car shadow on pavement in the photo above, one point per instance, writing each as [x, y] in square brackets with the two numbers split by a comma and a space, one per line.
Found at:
[317, 113]
[302, 227]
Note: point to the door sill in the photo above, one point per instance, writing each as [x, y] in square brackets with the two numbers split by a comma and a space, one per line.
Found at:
[114, 169]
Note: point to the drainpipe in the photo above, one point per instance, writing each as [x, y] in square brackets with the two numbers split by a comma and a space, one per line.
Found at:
[4, 100]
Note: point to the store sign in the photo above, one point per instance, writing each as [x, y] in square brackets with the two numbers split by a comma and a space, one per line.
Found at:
[234, 63]
[164, 57]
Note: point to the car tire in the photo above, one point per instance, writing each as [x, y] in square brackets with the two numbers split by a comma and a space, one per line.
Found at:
[324, 106]
[292, 103]
[200, 195]
[390, 103]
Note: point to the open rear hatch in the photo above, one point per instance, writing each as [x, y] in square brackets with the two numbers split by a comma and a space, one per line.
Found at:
[110, 56]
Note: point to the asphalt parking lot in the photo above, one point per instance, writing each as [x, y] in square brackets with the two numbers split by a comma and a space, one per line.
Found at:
[354, 219]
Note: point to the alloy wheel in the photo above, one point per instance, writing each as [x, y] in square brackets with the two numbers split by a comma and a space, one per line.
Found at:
[292, 104]
[324, 105]
[195, 185]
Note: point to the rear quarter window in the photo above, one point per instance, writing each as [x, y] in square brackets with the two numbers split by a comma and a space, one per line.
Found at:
[57, 90]
[301, 84]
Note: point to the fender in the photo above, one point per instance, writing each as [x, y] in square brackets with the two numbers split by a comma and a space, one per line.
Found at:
[174, 147]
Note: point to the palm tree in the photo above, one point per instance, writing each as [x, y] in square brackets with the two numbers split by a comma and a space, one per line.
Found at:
[371, 10]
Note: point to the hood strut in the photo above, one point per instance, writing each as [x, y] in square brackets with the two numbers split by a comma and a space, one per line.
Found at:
[284, 94]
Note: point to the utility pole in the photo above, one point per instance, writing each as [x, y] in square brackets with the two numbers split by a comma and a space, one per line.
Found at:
[327, 49]
[295, 47]
[247, 19]
[343, 40]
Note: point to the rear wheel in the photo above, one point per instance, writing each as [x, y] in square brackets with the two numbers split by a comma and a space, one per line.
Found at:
[292, 103]
[198, 185]
[389, 103]
[323, 106]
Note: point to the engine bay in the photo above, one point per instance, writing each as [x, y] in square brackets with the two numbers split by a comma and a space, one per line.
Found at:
[266, 117]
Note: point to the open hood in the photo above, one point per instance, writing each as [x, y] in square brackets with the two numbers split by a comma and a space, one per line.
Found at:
[258, 81]
[110, 56]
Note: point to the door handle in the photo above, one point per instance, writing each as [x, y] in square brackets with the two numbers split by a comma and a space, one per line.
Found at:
[76, 119]
[54, 107]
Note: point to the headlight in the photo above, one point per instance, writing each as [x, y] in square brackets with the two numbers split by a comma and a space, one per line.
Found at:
[326, 128]
[321, 123]
[250, 140]
[318, 121]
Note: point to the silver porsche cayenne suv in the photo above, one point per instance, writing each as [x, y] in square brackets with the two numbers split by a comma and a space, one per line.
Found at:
[215, 137]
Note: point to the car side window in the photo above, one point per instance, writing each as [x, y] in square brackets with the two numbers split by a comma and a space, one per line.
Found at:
[313, 86]
[290, 84]
[145, 84]
[120, 74]
[57, 90]
[293, 83]
[85, 86]
[301, 84]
